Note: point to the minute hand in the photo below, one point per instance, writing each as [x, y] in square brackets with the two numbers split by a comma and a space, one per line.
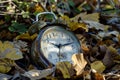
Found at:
[66, 44]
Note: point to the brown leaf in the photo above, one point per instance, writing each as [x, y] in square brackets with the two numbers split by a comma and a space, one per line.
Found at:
[96, 76]
[85, 47]
[79, 63]
[66, 69]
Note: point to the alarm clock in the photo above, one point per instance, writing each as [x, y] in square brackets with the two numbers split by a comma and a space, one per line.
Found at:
[54, 44]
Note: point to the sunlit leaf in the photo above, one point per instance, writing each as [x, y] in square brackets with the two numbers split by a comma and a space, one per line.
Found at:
[79, 63]
[66, 69]
[26, 36]
[7, 50]
[98, 66]
[86, 17]
[75, 25]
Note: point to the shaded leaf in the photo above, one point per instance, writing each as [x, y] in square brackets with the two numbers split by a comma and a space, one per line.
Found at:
[5, 65]
[18, 27]
[5, 76]
[84, 47]
[79, 63]
[98, 66]
[96, 25]
[38, 74]
[66, 69]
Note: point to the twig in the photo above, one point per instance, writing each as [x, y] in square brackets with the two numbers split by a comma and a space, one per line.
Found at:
[2, 2]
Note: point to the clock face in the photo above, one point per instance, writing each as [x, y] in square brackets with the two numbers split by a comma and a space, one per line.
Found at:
[58, 44]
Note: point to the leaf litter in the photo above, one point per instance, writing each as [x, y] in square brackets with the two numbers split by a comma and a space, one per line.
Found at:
[98, 33]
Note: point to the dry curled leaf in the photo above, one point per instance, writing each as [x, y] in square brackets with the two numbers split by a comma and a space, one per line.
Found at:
[66, 69]
[96, 76]
[84, 47]
[79, 63]
[98, 66]
[38, 74]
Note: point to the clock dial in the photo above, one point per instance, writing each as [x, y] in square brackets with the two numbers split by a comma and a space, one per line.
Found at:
[58, 44]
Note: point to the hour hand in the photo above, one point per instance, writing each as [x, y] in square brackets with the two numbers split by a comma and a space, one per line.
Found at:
[57, 45]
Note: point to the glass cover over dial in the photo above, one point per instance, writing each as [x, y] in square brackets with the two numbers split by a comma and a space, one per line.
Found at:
[58, 44]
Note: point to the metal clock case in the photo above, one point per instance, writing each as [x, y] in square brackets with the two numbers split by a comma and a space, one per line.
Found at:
[54, 44]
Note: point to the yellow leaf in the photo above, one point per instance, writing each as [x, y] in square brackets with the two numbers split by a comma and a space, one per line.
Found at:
[5, 65]
[65, 18]
[38, 8]
[65, 68]
[26, 36]
[7, 50]
[75, 25]
[14, 54]
[112, 49]
[98, 66]
[79, 63]
[5, 45]
[90, 17]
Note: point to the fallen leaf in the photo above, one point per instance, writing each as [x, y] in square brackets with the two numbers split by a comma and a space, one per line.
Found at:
[5, 76]
[26, 36]
[90, 17]
[106, 34]
[84, 47]
[38, 74]
[96, 25]
[5, 65]
[79, 63]
[7, 50]
[98, 66]
[75, 25]
[87, 75]
[13, 54]
[86, 17]
[96, 76]
[66, 69]
[1, 22]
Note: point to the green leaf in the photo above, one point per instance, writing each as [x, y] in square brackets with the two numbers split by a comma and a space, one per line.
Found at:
[18, 27]
[71, 3]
